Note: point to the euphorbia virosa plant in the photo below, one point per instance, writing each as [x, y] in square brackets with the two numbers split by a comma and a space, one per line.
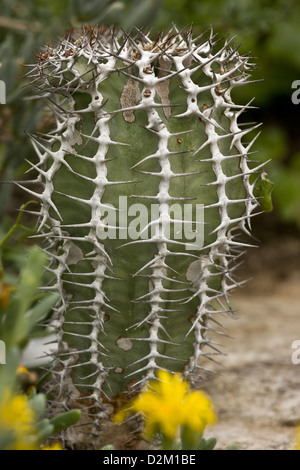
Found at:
[140, 125]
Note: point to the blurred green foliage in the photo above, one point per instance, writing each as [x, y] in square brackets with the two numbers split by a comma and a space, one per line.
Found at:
[22, 307]
[24, 424]
[267, 28]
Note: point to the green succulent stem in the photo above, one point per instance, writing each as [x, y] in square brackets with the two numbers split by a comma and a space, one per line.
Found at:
[141, 125]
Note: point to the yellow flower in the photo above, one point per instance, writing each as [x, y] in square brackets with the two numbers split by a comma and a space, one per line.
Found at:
[197, 411]
[17, 419]
[22, 370]
[167, 404]
[55, 446]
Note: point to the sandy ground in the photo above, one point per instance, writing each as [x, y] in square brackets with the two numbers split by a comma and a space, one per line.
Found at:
[257, 389]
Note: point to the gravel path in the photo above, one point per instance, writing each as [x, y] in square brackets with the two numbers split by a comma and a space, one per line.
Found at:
[257, 392]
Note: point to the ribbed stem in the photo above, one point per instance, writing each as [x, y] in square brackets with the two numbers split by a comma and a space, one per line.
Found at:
[150, 123]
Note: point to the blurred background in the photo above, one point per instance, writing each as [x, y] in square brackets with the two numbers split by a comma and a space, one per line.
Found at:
[270, 31]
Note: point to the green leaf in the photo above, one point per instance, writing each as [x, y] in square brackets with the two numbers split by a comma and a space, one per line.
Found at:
[38, 404]
[15, 326]
[265, 188]
[39, 311]
[46, 429]
[8, 370]
[207, 444]
[65, 420]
